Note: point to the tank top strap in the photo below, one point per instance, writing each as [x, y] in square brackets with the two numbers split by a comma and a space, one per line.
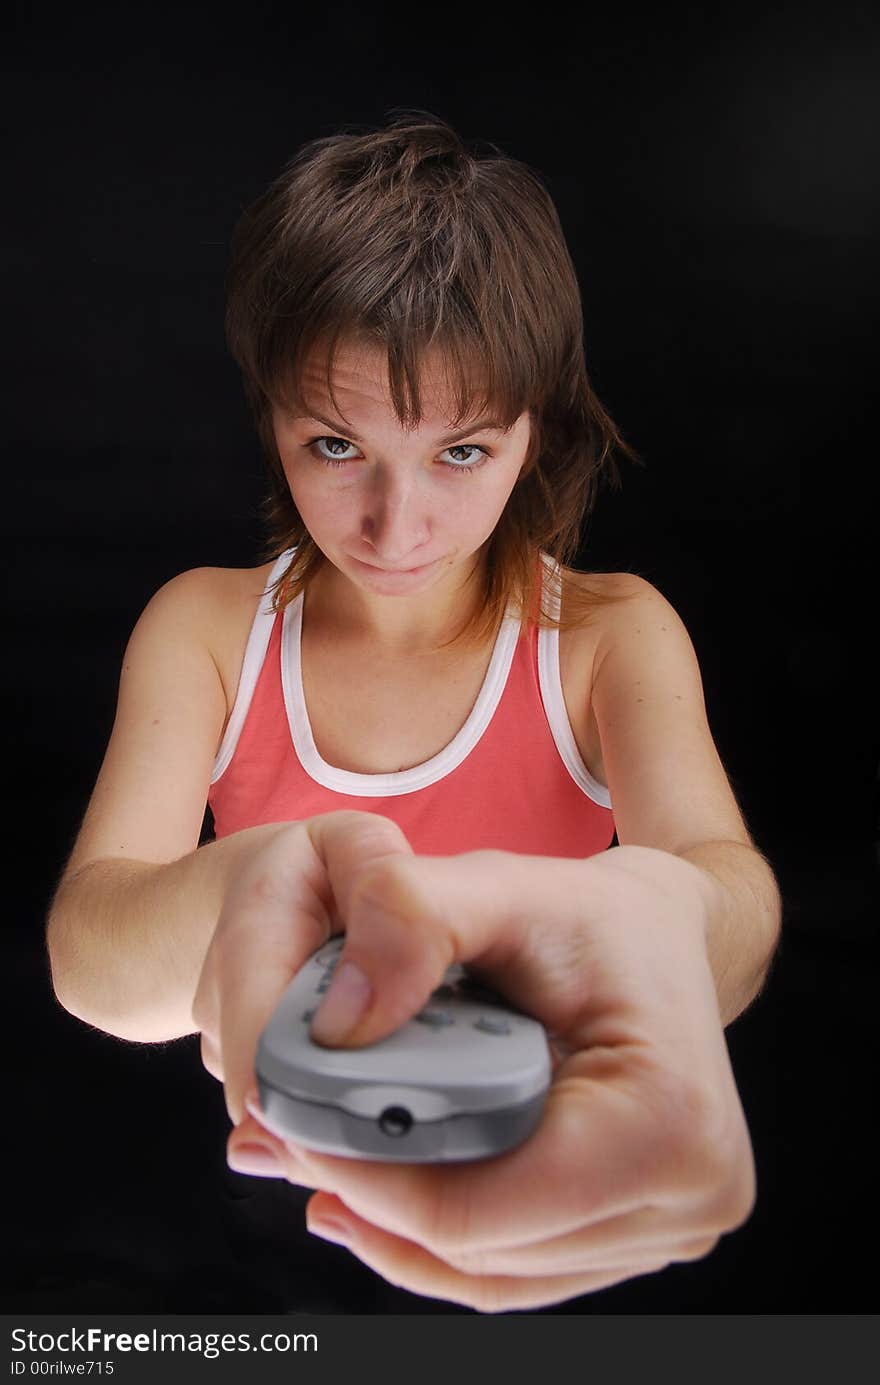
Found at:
[264, 622]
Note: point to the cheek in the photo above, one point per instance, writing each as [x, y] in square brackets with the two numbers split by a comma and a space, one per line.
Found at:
[302, 486]
[475, 509]
[324, 509]
[468, 513]
[314, 503]
[495, 497]
[479, 499]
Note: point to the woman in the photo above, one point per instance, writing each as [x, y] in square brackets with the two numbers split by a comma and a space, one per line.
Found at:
[415, 672]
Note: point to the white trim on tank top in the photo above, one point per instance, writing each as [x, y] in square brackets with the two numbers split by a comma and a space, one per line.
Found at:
[446, 760]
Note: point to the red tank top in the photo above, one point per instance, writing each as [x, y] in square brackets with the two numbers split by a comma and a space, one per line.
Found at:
[511, 779]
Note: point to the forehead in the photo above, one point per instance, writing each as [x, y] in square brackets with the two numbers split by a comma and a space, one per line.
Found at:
[360, 377]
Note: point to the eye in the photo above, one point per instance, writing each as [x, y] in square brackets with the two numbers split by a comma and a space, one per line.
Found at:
[467, 447]
[336, 459]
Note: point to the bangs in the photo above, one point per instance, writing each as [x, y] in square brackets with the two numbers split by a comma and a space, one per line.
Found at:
[460, 378]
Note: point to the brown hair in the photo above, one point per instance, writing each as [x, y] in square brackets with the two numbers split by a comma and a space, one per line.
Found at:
[403, 237]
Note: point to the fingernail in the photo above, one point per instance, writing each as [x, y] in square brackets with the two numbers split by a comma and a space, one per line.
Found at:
[330, 1229]
[256, 1159]
[348, 997]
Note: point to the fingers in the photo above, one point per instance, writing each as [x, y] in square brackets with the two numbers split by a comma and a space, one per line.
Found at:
[348, 843]
[591, 1143]
[410, 917]
[608, 1144]
[274, 1159]
[499, 1272]
[410, 1266]
[274, 915]
[211, 1056]
[601, 951]
[283, 905]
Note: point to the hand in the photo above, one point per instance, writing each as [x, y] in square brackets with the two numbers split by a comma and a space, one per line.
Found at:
[642, 1157]
[284, 900]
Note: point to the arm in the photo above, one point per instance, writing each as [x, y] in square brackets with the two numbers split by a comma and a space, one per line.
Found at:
[669, 788]
[745, 918]
[137, 904]
[126, 938]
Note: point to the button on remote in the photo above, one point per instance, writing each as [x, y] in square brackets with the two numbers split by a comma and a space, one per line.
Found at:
[492, 1025]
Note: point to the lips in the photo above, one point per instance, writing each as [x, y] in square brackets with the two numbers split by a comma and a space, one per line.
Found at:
[394, 571]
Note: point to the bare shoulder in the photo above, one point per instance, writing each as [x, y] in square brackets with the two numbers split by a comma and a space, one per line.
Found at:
[216, 588]
[632, 617]
[225, 600]
[149, 799]
[219, 592]
[207, 600]
[612, 584]
[667, 782]
[635, 606]
[615, 593]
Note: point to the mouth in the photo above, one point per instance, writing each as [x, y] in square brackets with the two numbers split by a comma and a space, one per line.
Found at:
[396, 571]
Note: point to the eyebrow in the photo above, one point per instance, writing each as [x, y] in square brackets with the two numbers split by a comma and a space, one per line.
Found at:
[481, 425]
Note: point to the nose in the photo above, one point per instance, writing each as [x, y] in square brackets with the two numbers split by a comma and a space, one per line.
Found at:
[395, 522]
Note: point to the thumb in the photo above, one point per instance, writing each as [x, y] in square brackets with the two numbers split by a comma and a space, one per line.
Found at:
[284, 904]
[517, 919]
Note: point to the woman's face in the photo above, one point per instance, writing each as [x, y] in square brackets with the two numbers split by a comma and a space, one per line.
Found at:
[379, 501]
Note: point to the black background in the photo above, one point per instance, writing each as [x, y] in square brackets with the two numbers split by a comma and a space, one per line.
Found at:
[716, 177]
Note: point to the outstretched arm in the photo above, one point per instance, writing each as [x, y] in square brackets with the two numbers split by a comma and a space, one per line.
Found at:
[745, 918]
[669, 788]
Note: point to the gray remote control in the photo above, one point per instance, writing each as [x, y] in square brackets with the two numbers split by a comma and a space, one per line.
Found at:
[465, 1078]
